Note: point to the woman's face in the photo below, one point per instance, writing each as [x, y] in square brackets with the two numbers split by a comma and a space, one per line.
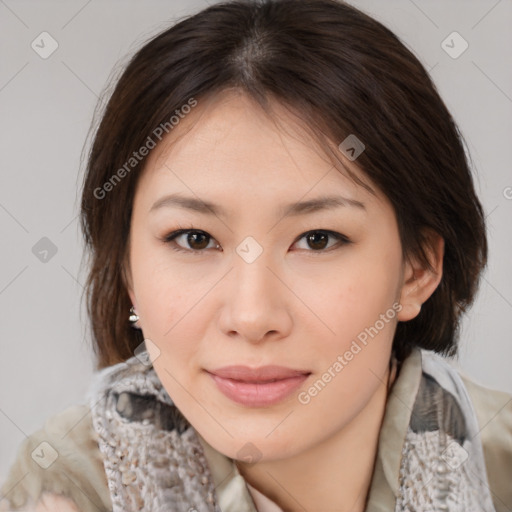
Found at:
[262, 284]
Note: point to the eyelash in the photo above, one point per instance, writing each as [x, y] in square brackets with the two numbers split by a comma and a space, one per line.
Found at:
[170, 239]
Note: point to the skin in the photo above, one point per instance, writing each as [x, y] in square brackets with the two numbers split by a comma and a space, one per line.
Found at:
[295, 305]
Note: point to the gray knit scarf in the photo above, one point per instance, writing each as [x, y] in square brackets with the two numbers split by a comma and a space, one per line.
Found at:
[154, 461]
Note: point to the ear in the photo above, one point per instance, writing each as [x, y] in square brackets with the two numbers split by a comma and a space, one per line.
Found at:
[419, 282]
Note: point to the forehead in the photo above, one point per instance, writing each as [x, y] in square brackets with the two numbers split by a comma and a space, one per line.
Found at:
[227, 141]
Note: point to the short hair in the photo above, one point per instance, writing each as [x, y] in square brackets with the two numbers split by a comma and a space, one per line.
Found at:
[341, 72]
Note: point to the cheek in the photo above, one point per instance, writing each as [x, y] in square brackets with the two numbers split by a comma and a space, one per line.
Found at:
[359, 306]
[173, 314]
[359, 294]
[358, 309]
[160, 286]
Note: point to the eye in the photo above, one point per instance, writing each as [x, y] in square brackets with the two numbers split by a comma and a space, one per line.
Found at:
[198, 240]
[318, 239]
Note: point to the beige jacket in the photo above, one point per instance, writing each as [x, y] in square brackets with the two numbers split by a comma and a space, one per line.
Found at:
[78, 471]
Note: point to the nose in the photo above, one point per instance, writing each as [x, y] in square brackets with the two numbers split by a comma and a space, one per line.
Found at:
[257, 302]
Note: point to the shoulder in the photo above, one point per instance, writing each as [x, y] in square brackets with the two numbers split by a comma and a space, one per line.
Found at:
[57, 466]
[47, 503]
[493, 409]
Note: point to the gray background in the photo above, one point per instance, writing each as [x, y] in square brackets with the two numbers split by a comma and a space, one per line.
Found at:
[46, 109]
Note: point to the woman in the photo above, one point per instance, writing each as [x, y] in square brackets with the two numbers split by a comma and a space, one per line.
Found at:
[279, 202]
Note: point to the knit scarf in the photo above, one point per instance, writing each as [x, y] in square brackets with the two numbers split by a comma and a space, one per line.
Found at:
[154, 461]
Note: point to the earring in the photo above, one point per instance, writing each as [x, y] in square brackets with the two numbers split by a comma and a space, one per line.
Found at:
[134, 318]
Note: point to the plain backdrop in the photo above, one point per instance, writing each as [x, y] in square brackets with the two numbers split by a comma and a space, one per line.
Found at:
[46, 110]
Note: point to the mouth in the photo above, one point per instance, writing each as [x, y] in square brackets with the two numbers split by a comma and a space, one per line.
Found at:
[259, 387]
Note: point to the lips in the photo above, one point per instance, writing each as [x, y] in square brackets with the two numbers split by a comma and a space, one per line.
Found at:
[258, 387]
[258, 375]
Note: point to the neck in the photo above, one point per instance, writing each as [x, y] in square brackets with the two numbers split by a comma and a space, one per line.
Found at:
[334, 475]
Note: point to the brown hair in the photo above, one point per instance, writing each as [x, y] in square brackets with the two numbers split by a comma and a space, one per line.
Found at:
[343, 73]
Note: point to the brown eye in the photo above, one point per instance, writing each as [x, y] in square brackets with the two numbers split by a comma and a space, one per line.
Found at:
[191, 240]
[318, 240]
[197, 241]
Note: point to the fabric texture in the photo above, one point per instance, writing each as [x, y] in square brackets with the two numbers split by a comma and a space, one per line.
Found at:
[77, 472]
[153, 458]
[443, 465]
[131, 449]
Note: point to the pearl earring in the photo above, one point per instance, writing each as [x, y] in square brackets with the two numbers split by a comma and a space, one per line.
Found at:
[134, 318]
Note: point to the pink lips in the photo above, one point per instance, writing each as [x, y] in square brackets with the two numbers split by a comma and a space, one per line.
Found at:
[258, 387]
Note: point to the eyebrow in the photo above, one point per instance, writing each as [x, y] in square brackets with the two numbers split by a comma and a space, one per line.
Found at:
[293, 209]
